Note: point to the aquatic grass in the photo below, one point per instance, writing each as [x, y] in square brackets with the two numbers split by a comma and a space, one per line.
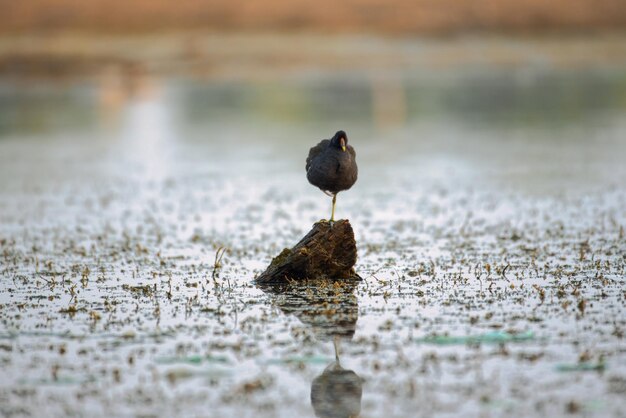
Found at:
[124, 336]
[183, 373]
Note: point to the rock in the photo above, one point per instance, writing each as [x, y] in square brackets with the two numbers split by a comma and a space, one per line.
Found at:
[324, 253]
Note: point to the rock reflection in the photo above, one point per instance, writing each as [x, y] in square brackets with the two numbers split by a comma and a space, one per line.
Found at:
[331, 310]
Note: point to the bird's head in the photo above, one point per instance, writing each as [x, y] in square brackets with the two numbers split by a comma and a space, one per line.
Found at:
[340, 140]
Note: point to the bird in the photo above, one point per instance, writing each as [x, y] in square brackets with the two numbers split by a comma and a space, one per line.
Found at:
[331, 166]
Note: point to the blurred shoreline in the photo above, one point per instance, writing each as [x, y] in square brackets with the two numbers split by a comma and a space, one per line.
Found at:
[406, 17]
[266, 55]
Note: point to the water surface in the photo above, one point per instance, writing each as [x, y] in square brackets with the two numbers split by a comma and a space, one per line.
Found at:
[489, 216]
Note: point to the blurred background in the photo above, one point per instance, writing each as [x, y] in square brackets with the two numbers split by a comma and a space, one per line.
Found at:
[533, 91]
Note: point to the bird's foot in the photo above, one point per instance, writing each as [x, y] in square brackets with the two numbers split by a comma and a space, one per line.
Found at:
[330, 222]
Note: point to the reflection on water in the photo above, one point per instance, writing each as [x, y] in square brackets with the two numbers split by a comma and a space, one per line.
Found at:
[405, 125]
[381, 101]
[336, 393]
[146, 131]
[477, 120]
[331, 311]
[488, 199]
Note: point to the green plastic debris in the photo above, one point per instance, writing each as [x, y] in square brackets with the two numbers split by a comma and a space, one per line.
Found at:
[581, 367]
[494, 337]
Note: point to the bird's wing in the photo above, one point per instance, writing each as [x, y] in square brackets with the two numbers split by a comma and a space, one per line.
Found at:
[315, 151]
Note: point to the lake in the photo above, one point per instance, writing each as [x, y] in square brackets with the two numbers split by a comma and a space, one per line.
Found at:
[489, 218]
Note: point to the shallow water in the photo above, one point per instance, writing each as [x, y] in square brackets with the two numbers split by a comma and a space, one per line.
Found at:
[489, 216]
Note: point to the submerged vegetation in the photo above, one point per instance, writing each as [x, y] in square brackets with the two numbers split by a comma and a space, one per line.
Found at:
[493, 255]
[462, 312]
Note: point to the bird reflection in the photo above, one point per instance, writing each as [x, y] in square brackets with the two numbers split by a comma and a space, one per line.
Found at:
[337, 392]
[331, 311]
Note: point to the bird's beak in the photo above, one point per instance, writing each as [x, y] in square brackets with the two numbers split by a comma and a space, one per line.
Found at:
[343, 144]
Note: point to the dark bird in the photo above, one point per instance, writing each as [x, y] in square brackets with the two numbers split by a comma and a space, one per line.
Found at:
[331, 166]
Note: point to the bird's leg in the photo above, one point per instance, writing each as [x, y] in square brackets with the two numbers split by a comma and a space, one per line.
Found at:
[332, 212]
